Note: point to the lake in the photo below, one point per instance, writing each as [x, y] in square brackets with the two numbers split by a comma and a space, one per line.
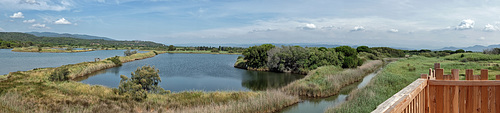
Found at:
[23, 61]
[206, 72]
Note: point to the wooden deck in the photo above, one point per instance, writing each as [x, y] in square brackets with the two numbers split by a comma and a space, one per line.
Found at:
[439, 93]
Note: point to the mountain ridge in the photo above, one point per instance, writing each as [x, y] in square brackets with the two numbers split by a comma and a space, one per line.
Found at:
[80, 36]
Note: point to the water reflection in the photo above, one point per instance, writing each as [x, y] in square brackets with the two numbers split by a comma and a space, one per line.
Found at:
[257, 81]
[207, 72]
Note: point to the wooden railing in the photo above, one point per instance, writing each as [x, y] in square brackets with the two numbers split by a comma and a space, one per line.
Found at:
[439, 93]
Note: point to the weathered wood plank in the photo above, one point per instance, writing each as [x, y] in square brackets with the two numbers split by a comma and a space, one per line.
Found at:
[484, 92]
[401, 100]
[465, 83]
[497, 95]
[446, 95]
[470, 93]
[454, 91]
[439, 91]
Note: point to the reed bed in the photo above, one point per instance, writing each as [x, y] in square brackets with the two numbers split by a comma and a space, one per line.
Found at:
[265, 102]
[328, 80]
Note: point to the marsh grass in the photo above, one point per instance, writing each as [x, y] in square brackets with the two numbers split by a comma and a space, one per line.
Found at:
[264, 102]
[328, 80]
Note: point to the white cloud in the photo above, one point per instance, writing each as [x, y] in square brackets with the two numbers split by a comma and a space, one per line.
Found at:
[358, 28]
[29, 21]
[39, 26]
[101, 1]
[1, 29]
[393, 30]
[17, 15]
[490, 28]
[481, 38]
[53, 5]
[465, 24]
[62, 21]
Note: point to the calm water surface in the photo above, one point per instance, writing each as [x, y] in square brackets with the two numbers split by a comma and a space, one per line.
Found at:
[207, 72]
[23, 61]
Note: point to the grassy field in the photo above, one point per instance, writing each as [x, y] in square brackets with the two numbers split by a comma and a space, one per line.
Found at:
[32, 91]
[328, 80]
[395, 76]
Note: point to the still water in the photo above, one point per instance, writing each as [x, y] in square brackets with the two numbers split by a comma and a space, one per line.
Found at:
[207, 72]
[23, 61]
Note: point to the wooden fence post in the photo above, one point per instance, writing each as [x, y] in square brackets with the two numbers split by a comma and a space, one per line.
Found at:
[454, 76]
[484, 92]
[497, 95]
[439, 91]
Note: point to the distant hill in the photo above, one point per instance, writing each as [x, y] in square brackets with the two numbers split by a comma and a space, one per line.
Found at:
[17, 39]
[80, 36]
[476, 48]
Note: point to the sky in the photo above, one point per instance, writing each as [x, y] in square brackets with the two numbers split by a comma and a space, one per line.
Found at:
[428, 24]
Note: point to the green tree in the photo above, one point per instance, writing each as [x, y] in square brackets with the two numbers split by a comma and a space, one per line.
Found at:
[460, 51]
[256, 56]
[348, 51]
[128, 52]
[171, 48]
[144, 79]
[363, 49]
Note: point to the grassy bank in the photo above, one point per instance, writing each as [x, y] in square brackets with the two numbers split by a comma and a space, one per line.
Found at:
[47, 50]
[328, 80]
[32, 91]
[398, 75]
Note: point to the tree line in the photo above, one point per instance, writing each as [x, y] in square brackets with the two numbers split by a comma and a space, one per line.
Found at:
[298, 59]
[14, 39]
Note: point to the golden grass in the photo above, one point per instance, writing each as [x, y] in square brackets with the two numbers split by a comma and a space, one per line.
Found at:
[328, 80]
[265, 102]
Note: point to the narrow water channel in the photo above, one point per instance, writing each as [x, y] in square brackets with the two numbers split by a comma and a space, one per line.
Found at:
[319, 105]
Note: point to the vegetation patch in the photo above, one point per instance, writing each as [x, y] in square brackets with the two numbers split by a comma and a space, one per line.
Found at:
[328, 80]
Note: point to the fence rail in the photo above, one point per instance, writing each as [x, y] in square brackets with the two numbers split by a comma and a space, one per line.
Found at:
[439, 93]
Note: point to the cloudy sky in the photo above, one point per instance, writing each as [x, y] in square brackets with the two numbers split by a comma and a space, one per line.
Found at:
[397, 23]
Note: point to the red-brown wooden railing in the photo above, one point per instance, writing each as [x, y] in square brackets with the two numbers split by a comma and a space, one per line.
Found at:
[439, 93]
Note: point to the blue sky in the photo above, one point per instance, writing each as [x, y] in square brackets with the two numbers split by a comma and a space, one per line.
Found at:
[397, 23]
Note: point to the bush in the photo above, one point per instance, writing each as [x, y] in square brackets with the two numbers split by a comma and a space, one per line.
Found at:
[116, 60]
[363, 49]
[350, 62]
[348, 51]
[128, 52]
[59, 74]
[144, 79]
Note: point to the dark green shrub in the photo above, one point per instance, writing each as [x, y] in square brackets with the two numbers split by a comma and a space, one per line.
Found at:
[144, 79]
[348, 51]
[116, 60]
[59, 74]
[363, 49]
[461, 56]
[128, 52]
[350, 62]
